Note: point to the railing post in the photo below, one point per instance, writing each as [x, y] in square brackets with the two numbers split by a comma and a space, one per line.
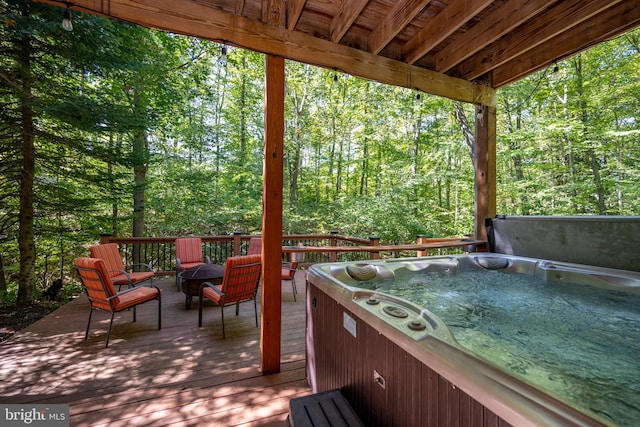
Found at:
[333, 256]
[105, 238]
[422, 239]
[237, 242]
[374, 241]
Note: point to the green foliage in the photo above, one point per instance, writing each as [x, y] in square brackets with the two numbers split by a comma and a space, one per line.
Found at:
[360, 157]
[568, 140]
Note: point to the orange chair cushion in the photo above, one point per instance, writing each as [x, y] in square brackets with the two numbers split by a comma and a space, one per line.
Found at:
[135, 296]
[189, 250]
[238, 284]
[212, 295]
[286, 274]
[136, 277]
[289, 272]
[98, 290]
[255, 246]
[184, 266]
[110, 253]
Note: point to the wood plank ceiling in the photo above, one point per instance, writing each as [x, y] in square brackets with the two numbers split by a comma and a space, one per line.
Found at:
[452, 48]
[491, 41]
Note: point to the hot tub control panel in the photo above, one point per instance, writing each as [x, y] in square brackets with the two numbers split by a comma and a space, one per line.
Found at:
[410, 320]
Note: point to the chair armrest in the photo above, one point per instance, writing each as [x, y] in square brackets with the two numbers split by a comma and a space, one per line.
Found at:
[148, 266]
[126, 274]
[288, 266]
[212, 286]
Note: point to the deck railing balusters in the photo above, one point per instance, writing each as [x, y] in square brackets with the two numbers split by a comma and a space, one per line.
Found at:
[160, 251]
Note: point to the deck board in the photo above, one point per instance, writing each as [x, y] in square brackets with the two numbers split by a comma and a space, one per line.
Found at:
[181, 375]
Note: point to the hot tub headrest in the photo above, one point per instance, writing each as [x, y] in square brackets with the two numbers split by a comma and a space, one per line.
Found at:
[361, 272]
[492, 263]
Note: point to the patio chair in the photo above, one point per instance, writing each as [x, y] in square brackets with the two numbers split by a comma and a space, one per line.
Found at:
[188, 254]
[118, 272]
[102, 294]
[289, 273]
[239, 284]
[255, 246]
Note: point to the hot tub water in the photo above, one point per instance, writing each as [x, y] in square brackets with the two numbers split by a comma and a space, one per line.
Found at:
[578, 343]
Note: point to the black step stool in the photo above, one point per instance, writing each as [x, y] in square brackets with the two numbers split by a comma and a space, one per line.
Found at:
[325, 409]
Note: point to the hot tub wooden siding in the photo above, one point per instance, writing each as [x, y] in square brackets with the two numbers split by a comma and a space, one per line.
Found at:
[414, 394]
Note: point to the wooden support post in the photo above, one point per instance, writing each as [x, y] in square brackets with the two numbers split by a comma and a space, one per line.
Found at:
[237, 243]
[272, 181]
[374, 241]
[333, 256]
[420, 240]
[485, 180]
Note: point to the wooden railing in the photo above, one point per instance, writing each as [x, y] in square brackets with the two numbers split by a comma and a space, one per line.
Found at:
[159, 252]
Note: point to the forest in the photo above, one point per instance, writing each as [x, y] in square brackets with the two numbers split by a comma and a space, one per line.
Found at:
[115, 128]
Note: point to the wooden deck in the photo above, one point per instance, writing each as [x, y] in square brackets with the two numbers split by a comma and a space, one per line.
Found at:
[180, 375]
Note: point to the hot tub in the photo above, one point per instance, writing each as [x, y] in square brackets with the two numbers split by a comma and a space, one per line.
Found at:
[479, 339]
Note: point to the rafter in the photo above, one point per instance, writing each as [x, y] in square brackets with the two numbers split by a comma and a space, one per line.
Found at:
[239, 7]
[401, 14]
[510, 15]
[619, 18]
[345, 18]
[294, 11]
[193, 18]
[274, 12]
[407, 41]
[556, 21]
[454, 16]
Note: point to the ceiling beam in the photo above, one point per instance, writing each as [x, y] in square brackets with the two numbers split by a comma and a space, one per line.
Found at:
[509, 16]
[553, 23]
[274, 12]
[239, 7]
[454, 16]
[398, 18]
[616, 20]
[294, 12]
[192, 17]
[349, 12]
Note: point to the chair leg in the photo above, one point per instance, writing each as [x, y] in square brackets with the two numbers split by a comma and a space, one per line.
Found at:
[200, 310]
[222, 310]
[86, 334]
[255, 310]
[237, 308]
[134, 313]
[159, 310]
[178, 269]
[106, 344]
[294, 289]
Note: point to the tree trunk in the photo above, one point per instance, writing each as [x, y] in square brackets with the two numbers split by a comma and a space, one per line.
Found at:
[300, 102]
[295, 171]
[365, 167]
[594, 162]
[514, 146]
[467, 132]
[243, 112]
[3, 281]
[26, 280]
[339, 168]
